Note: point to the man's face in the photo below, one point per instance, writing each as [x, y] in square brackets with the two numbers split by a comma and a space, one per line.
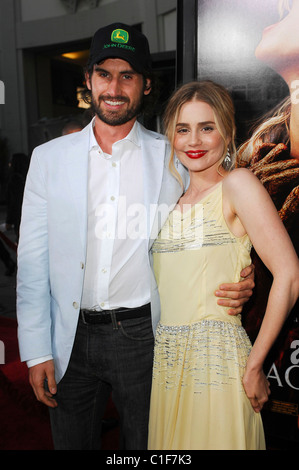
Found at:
[117, 91]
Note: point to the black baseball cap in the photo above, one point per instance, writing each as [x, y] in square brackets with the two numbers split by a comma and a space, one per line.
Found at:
[121, 41]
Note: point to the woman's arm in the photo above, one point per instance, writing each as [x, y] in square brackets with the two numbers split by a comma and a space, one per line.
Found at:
[259, 218]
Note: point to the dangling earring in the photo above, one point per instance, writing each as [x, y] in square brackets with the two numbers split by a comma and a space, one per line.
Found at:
[227, 161]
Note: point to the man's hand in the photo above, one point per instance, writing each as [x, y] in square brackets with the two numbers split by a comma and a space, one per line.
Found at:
[37, 376]
[235, 295]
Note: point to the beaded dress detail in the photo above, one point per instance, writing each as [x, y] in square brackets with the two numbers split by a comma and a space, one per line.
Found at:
[198, 401]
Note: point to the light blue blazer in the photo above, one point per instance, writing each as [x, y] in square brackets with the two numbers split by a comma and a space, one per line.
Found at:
[53, 234]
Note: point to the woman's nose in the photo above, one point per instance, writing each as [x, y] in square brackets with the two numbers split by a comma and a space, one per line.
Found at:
[195, 138]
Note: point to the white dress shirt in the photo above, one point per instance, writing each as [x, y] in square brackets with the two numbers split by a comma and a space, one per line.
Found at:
[117, 265]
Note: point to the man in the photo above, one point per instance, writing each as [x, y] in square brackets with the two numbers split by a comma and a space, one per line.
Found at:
[87, 300]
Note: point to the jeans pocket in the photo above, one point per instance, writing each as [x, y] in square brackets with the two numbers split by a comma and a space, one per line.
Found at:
[138, 329]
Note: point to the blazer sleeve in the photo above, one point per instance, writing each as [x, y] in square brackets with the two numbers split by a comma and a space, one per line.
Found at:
[33, 286]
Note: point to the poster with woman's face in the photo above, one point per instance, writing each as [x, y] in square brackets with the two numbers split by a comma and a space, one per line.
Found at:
[252, 48]
[230, 34]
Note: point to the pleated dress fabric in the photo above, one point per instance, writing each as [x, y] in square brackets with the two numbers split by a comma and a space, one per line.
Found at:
[198, 401]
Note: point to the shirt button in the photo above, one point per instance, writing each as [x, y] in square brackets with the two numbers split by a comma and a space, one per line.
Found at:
[103, 304]
[82, 265]
[75, 305]
[114, 164]
[112, 198]
[104, 270]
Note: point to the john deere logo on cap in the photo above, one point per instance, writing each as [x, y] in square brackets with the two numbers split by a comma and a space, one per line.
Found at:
[120, 35]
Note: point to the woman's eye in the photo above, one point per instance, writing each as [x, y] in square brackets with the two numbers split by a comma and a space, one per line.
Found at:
[182, 130]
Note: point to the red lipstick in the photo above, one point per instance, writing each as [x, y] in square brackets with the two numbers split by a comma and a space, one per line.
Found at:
[196, 153]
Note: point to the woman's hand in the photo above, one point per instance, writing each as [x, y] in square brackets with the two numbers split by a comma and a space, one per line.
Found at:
[257, 388]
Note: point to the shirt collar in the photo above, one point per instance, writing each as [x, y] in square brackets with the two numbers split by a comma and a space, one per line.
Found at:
[133, 137]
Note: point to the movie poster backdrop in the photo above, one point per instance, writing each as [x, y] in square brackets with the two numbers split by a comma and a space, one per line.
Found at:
[252, 48]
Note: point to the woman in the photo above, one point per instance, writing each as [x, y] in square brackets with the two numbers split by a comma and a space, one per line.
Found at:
[208, 382]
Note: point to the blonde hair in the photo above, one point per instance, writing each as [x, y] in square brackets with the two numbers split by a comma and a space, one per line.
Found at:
[274, 128]
[220, 101]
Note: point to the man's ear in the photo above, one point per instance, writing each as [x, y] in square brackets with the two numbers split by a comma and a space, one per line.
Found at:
[87, 80]
[148, 86]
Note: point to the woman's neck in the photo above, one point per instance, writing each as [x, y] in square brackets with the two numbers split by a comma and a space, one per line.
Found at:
[200, 184]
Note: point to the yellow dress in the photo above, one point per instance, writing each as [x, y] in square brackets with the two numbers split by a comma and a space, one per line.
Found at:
[198, 401]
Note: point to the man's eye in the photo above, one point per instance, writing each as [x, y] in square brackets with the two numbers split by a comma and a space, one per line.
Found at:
[102, 74]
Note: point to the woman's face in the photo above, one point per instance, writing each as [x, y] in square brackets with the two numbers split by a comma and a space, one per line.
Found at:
[279, 47]
[198, 143]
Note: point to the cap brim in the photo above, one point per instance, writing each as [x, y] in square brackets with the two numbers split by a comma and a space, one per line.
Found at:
[114, 54]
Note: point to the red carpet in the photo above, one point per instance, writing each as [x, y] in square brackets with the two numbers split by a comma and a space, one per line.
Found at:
[24, 422]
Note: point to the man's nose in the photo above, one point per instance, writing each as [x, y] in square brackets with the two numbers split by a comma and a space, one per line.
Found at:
[114, 87]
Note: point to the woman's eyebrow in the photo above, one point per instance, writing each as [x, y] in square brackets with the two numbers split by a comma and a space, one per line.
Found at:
[203, 123]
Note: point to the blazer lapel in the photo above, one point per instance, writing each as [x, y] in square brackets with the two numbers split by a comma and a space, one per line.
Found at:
[153, 154]
[161, 190]
[77, 178]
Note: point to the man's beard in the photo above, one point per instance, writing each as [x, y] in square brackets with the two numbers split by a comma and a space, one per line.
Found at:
[117, 117]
